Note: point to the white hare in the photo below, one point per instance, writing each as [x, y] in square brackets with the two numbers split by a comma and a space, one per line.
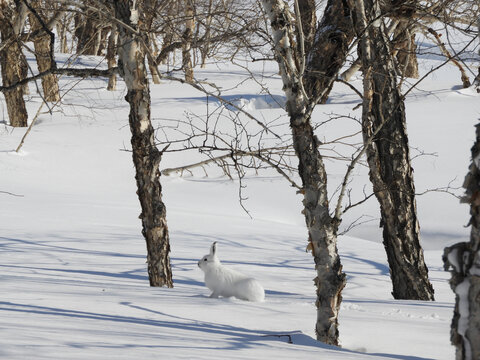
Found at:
[227, 282]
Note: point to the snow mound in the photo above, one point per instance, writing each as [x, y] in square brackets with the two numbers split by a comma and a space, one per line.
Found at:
[256, 102]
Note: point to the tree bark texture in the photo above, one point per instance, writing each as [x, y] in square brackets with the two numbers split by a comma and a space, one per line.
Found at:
[146, 156]
[90, 32]
[322, 229]
[187, 39]
[12, 18]
[111, 53]
[205, 49]
[463, 261]
[308, 16]
[156, 79]
[388, 157]
[42, 55]
[405, 48]
[329, 51]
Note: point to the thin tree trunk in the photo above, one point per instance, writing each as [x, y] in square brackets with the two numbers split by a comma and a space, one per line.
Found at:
[11, 21]
[463, 260]
[405, 49]
[308, 16]
[187, 40]
[111, 52]
[205, 49]
[169, 36]
[62, 27]
[146, 156]
[42, 54]
[88, 33]
[388, 157]
[322, 229]
[151, 60]
[23, 72]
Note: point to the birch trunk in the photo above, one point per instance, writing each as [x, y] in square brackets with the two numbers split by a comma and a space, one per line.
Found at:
[42, 55]
[388, 157]
[329, 51]
[463, 260]
[12, 18]
[62, 26]
[405, 49]
[187, 41]
[322, 229]
[308, 17]
[111, 52]
[146, 156]
[151, 62]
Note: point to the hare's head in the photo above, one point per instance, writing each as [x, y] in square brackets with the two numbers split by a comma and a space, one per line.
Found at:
[211, 260]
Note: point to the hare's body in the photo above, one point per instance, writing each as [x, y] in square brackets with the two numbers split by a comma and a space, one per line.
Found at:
[226, 282]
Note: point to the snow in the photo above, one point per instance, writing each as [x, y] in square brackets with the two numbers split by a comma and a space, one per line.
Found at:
[73, 275]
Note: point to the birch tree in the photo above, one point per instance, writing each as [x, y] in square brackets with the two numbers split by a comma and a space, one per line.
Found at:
[12, 20]
[42, 45]
[329, 49]
[463, 261]
[322, 228]
[146, 156]
[391, 174]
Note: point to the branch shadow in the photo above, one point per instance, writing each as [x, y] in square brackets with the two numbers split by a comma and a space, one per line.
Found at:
[236, 338]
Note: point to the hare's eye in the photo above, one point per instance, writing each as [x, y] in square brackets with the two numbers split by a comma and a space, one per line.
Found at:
[204, 259]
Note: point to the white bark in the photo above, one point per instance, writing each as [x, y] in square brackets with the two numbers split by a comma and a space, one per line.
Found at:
[463, 261]
[322, 229]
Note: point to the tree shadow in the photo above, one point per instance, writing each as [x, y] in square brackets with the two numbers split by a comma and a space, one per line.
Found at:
[235, 337]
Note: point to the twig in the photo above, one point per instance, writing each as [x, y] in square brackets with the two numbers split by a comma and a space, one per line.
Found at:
[9, 193]
[223, 101]
[30, 127]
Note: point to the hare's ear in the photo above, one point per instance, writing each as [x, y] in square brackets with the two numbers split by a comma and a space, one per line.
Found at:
[213, 249]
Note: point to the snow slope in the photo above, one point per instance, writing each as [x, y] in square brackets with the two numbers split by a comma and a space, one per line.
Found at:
[73, 281]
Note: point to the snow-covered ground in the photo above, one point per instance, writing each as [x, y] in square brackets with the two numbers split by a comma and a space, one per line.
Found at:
[73, 281]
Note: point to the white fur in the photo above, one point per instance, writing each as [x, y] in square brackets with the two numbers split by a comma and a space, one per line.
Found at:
[227, 282]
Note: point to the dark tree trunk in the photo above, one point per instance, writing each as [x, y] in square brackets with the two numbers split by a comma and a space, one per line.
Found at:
[308, 16]
[388, 157]
[322, 228]
[12, 18]
[146, 156]
[463, 260]
[329, 51]
[85, 32]
[90, 32]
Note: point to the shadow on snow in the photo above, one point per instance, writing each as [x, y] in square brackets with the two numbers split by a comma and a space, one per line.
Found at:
[235, 337]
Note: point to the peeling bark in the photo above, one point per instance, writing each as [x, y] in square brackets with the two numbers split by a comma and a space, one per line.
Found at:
[329, 50]
[12, 18]
[308, 17]
[391, 174]
[322, 228]
[405, 49]
[187, 39]
[463, 261]
[42, 55]
[146, 156]
[111, 52]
